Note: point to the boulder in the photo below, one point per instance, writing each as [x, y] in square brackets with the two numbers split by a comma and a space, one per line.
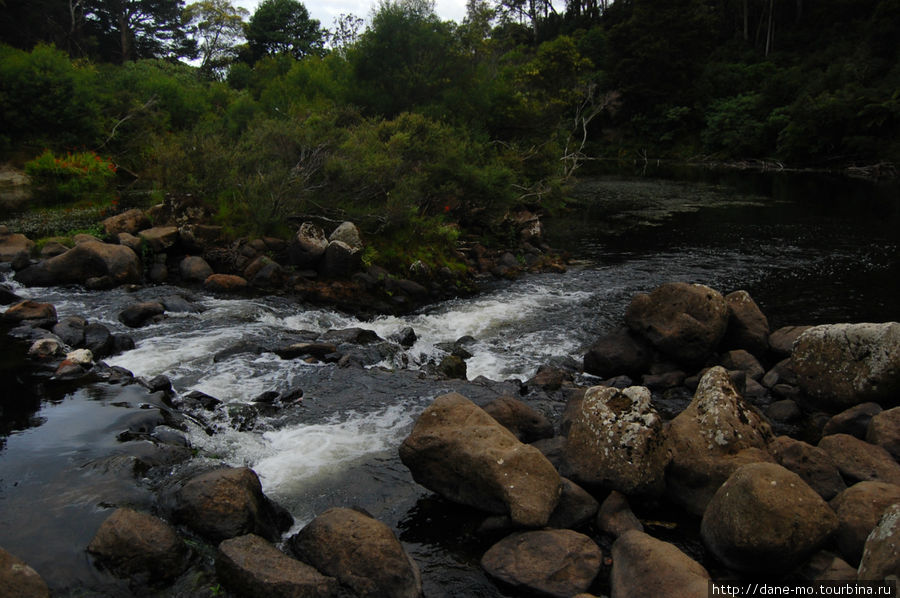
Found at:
[129, 222]
[130, 241]
[463, 454]
[645, 566]
[853, 421]
[198, 238]
[141, 314]
[354, 336]
[781, 341]
[70, 330]
[32, 313]
[98, 340]
[229, 502]
[742, 360]
[618, 352]
[45, 348]
[361, 552]
[340, 260]
[249, 566]
[827, 566]
[558, 563]
[347, 233]
[812, 464]
[453, 366]
[53, 249]
[160, 238]
[715, 434]
[765, 519]
[263, 271]
[551, 378]
[846, 364]
[140, 546]
[194, 268]
[615, 516]
[575, 509]
[859, 508]
[14, 244]
[748, 327]
[7, 296]
[311, 239]
[860, 461]
[525, 422]
[19, 580]
[684, 321]
[884, 431]
[90, 259]
[225, 283]
[616, 441]
[881, 554]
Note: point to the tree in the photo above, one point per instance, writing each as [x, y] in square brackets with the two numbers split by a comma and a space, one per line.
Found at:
[283, 26]
[345, 32]
[133, 29]
[218, 25]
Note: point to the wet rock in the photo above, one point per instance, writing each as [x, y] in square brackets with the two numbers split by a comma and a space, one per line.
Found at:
[71, 330]
[178, 304]
[137, 315]
[853, 421]
[881, 554]
[225, 283]
[884, 431]
[859, 508]
[405, 337]
[7, 296]
[860, 461]
[847, 364]
[557, 563]
[121, 343]
[645, 566]
[463, 454]
[617, 441]
[205, 401]
[229, 502]
[452, 366]
[237, 349]
[550, 378]
[353, 336]
[141, 547]
[347, 233]
[90, 259]
[98, 340]
[739, 359]
[45, 348]
[812, 464]
[295, 350]
[618, 352]
[715, 434]
[160, 238]
[684, 321]
[194, 268]
[19, 580]
[340, 260]
[249, 566]
[748, 327]
[13, 244]
[32, 313]
[781, 341]
[765, 519]
[361, 552]
[575, 509]
[129, 222]
[615, 516]
[525, 422]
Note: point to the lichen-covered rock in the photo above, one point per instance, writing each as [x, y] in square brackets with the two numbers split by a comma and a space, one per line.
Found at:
[19, 580]
[713, 436]
[847, 364]
[140, 546]
[361, 552]
[765, 519]
[525, 422]
[645, 566]
[347, 233]
[249, 566]
[860, 461]
[884, 431]
[859, 509]
[748, 327]
[616, 441]
[881, 554]
[558, 563]
[684, 321]
[462, 453]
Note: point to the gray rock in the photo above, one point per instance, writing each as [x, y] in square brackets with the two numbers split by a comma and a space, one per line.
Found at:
[347, 233]
[137, 315]
[575, 509]
[881, 554]
[618, 352]
[194, 268]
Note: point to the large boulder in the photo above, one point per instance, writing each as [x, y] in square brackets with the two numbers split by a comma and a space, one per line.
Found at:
[347, 233]
[14, 244]
[846, 364]
[616, 441]
[308, 247]
[645, 566]
[361, 552]
[463, 454]
[33, 313]
[19, 580]
[340, 260]
[225, 283]
[618, 352]
[249, 566]
[764, 519]
[713, 436]
[229, 502]
[90, 259]
[860, 461]
[141, 314]
[140, 546]
[160, 238]
[559, 563]
[859, 509]
[526, 423]
[748, 327]
[684, 321]
[130, 221]
[881, 554]
[194, 268]
[812, 464]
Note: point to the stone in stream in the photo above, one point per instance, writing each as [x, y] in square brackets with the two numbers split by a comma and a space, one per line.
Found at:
[645, 566]
[19, 580]
[71, 330]
[140, 314]
[361, 552]
[463, 454]
[225, 283]
[32, 313]
[194, 268]
[90, 259]
[618, 352]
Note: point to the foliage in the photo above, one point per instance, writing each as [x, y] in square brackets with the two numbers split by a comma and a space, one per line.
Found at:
[133, 29]
[283, 26]
[219, 25]
[74, 175]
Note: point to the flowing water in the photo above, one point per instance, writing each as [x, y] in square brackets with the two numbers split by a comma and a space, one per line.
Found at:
[808, 250]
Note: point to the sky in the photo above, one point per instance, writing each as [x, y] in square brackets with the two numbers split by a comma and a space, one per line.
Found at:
[327, 10]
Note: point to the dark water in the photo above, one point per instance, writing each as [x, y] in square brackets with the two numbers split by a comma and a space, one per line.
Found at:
[809, 250]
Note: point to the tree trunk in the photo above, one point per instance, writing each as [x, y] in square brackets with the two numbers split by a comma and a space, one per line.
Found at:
[124, 37]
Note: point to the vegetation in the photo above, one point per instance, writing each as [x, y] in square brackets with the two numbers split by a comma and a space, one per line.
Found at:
[423, 130]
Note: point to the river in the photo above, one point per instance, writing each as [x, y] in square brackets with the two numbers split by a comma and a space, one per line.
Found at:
[810, 249]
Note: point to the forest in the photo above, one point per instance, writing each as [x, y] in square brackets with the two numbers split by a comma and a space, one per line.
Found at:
[423, 130]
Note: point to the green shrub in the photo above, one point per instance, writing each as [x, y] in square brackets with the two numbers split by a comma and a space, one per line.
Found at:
[72, 176]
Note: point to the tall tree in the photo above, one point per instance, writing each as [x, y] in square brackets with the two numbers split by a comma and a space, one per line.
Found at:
[283, 26]
[218, 25]
[133, 29]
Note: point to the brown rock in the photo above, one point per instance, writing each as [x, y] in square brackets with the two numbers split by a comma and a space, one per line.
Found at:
[462, 453]
[853, 421]
[13, 244]
[18, 580]
[748, 327]
[129, 222]
[825, 566]
[576, 507]
[765, 519]
[884, 431]
[859, 509]
[225, 283]
[781, 341]
[547, 562]
[615, 516]
[812, 464]
[90, 259]
[618, 352]
[140, 314]
[860, 461]
[160, 238]
[645, 566]
[742, 360]
[525, 422]
[361, 552]
[33, 313]
[194, 268]
[251, 567]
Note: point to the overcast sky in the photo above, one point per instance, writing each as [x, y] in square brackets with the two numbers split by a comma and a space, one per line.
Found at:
[326, 10]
